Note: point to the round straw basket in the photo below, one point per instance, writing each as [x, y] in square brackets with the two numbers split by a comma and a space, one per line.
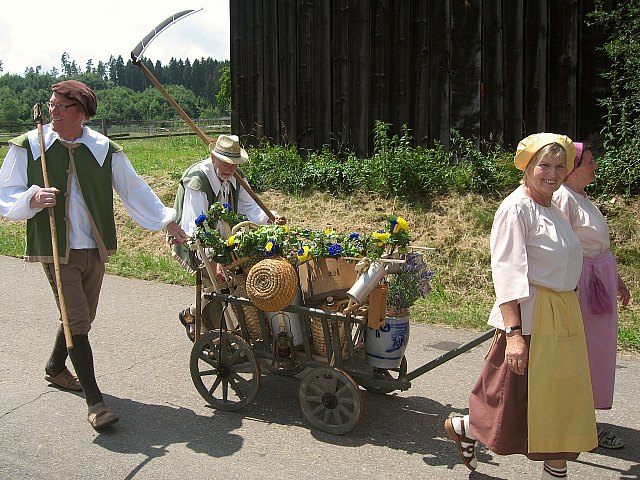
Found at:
[272, 284]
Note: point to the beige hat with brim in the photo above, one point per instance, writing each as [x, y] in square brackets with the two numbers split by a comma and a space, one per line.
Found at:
[529, 146]
[227, 149]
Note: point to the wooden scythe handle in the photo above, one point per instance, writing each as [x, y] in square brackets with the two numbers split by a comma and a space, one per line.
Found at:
[200, 133]
[37, 115]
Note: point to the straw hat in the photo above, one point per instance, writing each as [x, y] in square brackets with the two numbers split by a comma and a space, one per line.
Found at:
[228, 149]
[529, 146]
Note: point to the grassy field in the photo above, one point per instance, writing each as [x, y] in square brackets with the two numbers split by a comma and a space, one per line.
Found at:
[456, 226]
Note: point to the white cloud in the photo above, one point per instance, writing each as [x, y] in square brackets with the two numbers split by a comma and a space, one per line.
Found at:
[35, 33]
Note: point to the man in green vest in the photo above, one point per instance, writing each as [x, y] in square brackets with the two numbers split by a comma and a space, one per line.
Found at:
[208, 181]
[84, 168]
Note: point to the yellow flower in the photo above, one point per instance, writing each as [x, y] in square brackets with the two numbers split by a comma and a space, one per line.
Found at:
[285, 228]
[231, 241]
[304, 254]
[328, 231]
[269, 246]
[401, 224]
[382, 237]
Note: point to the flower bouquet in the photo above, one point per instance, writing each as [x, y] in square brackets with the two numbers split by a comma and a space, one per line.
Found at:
[408, 285]
[297, 245]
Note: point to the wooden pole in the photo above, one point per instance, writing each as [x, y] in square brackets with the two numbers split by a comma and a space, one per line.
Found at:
[37, 114]
[200, 133]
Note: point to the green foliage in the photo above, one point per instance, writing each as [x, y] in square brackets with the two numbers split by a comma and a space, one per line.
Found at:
[223, 96]
[619, 170]
[396, 168]
[123, 92]
[481, 172]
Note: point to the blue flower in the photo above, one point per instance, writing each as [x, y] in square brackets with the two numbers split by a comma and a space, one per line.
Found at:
[270, 248]
[201, 219]
[354, 236]
[392, 224]
[227, 206]
[335, 250]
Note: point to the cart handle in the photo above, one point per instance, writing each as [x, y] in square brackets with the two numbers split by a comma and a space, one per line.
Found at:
[449, 355]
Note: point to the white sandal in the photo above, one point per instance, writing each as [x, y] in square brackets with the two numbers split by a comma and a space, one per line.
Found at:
[464, 445]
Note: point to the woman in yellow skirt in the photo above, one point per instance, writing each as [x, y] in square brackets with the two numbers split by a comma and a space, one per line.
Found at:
[533, 396]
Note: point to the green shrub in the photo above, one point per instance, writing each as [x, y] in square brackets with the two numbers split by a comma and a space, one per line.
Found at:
[396, 168]
[619, 170]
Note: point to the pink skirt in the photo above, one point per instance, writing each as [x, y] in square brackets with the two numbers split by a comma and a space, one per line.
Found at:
[598, 292]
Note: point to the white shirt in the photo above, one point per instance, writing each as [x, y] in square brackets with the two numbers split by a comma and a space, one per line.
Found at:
[587, 221]
[141, 203]
[196, 202]
[530, 245]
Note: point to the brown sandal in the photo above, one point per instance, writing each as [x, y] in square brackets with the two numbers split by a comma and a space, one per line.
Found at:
[470, 458]
[100, 416]
[65, 380]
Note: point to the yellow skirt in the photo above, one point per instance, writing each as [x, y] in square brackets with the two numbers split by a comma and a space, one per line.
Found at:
[561, 417]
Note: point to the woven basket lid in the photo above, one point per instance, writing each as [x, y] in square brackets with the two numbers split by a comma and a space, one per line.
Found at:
[271, 284]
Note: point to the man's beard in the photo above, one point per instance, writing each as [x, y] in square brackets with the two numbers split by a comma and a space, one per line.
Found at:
[224, 177]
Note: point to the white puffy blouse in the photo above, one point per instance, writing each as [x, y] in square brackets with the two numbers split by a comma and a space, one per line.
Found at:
[530, 245]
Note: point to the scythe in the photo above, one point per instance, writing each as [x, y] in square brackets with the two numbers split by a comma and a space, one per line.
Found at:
[136, 55]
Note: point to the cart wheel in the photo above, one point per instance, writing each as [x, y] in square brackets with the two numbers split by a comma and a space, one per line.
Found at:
[331, 400]
[380, 373]
[224, 370]
[274, 367]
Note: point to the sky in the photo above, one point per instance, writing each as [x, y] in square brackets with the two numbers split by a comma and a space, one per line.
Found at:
[37, 32]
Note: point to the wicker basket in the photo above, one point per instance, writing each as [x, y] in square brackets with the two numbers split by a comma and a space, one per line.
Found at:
[317, 332]
[271, 284]
[238, 287]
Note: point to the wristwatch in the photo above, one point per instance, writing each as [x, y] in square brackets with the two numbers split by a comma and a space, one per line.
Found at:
[512, 329]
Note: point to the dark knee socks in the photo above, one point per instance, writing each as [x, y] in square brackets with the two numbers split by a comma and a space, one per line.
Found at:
[82, 358]
[59, 355]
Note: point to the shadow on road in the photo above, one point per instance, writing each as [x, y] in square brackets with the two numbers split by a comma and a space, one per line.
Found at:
[150, 429]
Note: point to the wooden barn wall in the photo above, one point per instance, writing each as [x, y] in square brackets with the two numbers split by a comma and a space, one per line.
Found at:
[321, 72]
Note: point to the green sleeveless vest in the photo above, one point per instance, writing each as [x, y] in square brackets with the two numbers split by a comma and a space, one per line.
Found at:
[96, 186]
[196, 179]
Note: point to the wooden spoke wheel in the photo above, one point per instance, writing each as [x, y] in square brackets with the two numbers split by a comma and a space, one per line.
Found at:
[391, 374]
[331, 400]
[224, 370]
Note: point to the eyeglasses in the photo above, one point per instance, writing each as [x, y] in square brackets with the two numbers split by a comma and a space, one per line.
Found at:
[59, 106]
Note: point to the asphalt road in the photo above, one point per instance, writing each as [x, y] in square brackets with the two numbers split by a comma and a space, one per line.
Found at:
[167, 431]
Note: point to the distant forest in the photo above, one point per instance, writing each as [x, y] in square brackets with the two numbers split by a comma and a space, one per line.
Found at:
[202, 88]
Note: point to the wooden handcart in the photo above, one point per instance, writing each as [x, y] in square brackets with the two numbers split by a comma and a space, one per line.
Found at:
[226, 361]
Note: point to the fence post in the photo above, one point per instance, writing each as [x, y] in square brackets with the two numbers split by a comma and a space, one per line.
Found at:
[104, 126]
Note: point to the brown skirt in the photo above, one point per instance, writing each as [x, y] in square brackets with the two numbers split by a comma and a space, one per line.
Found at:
[498, 407]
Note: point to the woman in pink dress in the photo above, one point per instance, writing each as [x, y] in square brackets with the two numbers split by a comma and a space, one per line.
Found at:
[599, 285]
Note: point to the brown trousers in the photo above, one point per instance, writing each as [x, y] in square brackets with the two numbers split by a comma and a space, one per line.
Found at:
[81, 283]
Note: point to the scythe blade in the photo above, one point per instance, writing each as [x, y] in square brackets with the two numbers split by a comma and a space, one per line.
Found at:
[136, 55]
[137, 52]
